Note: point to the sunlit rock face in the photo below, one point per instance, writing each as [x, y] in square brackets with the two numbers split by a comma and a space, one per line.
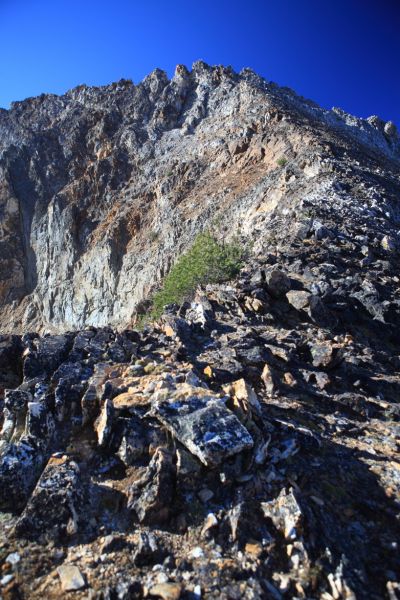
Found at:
[102, 188]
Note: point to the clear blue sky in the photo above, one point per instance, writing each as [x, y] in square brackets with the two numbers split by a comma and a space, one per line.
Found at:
[342, 53]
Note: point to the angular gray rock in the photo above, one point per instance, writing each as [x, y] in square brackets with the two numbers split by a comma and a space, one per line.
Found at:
[202, 423]
[277, 282]
[71, 578]
[298, 298]
[151, 496]
[53, 512]
[285, 513]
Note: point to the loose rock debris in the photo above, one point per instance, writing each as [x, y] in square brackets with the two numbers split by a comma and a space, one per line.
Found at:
[236, 457]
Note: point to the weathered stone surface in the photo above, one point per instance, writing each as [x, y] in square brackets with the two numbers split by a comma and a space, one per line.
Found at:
[11, 349]
[268, 379]
[200, 312]
[277, 282]
[151, 496]
[202, 423]
[299, 299]
[20, 466]
[176, 327]
[128, 400]
[15, 410]
[104, 424]
[133, 444]
[388, 243]
[53, 511]
[369, 297]
[166, 591]
[322, 354]
[71, 578]
[45, 354]
[285, 513]
[244, 395]
[139, 439]
[186, 463]
[90, 402]
[319, 313]
[147, 551]
[40, 424]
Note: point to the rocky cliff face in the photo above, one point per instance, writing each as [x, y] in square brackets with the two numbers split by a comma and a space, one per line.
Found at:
[102, 188]
[246, 444]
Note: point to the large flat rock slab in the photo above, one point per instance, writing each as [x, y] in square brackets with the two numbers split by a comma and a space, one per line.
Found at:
[200, 421]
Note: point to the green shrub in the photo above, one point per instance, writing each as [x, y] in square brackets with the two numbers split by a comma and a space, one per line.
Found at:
[207, 261]
[281, 162]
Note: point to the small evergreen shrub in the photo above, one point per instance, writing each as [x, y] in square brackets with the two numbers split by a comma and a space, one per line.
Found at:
[207, 261]
[281, 162]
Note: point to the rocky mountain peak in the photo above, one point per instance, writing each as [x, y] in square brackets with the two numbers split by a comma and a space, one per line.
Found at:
[88, 177]
[244, 444]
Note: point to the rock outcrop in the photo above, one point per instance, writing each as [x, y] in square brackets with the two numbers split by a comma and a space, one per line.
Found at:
[102, 188]
[246, 444]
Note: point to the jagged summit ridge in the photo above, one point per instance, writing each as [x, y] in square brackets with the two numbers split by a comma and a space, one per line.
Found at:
[158, 84]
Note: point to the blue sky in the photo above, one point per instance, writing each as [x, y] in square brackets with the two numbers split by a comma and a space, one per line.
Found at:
[342, 53]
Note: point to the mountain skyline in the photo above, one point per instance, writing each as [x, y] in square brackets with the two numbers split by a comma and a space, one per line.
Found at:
[343, 54]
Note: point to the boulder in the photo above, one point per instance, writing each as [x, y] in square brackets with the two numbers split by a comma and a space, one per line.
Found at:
[285, 513]
[104, 424]
[151, 496]
[299, 299]
[45, 354]
[277, 282]
[71, 578]
[53, 511]
[201, 422]
[20, 466]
